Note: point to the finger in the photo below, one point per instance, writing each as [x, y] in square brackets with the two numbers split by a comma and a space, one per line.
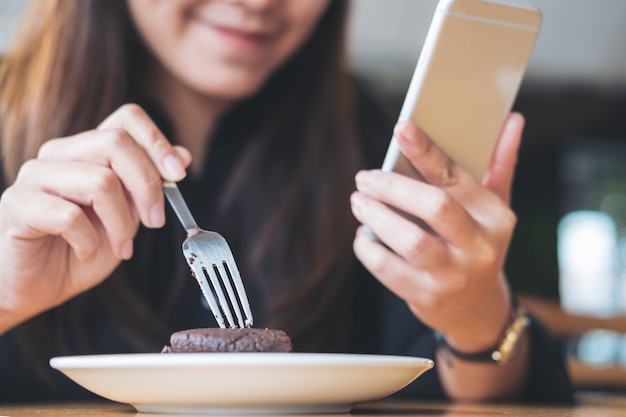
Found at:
[408, 238]
[133, 119]
[89, 185]
[390, 269]
[499, 175]
[184, 154]
[433, 164]
[431, 204]
[116, 149]
[37, 214]
[438, 169]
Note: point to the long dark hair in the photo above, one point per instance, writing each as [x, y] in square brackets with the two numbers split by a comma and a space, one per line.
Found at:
[77, 61]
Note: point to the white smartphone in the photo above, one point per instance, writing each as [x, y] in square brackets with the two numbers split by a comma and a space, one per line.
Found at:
[466, 79]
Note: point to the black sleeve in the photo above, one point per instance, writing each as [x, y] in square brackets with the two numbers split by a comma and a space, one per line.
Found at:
[401, 333]
[20, 381]
[548, 380]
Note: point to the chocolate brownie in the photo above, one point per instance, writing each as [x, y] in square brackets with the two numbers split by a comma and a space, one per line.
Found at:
[228, 340]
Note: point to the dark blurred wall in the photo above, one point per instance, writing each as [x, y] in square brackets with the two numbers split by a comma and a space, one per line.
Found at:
[557, 117]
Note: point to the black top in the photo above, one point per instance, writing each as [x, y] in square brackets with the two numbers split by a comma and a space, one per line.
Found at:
[383, 323]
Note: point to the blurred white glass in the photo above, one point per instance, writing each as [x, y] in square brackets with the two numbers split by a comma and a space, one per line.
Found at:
[588, 263]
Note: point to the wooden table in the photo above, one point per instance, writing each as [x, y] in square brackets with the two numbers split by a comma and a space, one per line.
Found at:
[595, 405]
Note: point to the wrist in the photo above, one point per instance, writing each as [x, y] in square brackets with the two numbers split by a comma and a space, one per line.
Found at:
[502, 351]
[485, 319]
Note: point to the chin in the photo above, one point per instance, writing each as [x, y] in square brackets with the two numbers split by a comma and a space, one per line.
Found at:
[226, 93]
[233, 87]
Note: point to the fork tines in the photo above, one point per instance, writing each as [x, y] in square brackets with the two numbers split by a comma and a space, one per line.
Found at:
[216, 280]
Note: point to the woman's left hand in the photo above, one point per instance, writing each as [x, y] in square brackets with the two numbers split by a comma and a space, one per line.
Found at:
[446, 258]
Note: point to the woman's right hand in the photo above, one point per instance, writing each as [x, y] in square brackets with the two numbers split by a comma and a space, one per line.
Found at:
[71, 215]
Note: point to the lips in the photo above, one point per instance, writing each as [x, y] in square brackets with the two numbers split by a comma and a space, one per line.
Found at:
[247, 35]
[241, 34]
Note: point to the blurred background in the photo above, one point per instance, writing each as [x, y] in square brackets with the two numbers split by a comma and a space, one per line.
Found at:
[568, 255]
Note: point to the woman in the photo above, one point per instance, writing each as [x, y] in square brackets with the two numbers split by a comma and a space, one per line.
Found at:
[249, 106]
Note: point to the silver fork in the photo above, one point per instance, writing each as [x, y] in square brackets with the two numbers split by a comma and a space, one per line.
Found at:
[208, 255]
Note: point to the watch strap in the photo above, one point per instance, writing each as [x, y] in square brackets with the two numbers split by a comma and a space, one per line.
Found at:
[503, 351]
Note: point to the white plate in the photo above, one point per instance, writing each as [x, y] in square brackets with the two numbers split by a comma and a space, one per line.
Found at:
[195, 383]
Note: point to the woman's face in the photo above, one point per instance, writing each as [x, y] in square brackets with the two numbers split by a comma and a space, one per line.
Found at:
[224, 48]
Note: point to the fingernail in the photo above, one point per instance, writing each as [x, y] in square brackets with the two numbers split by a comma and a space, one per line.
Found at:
[157, 215]
[174, 168]
[127, 250]
[364, 179]
[358, 201]
[407, 131]
[366, 231]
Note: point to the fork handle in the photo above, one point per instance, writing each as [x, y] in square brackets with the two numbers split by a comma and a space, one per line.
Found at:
[178, 204]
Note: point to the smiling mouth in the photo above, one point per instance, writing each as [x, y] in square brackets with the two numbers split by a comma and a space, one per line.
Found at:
[245, 36]
[240, 37]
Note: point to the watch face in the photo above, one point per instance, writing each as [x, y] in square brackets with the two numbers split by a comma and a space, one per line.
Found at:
[512, 336]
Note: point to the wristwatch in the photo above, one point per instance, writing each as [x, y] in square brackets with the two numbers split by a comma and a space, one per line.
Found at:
[503, 351]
